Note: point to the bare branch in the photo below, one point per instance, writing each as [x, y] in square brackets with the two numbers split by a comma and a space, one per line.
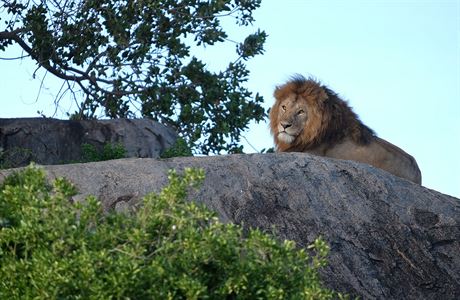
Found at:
[14, 58]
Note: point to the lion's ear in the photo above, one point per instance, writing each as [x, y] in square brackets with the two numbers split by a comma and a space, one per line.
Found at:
[322, 95]
[277, 93]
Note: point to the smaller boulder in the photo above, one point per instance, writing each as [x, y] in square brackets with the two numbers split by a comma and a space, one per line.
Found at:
[51, 141]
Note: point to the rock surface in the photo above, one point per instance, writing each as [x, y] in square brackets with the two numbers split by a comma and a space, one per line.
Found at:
[51, 141]
[389, 238]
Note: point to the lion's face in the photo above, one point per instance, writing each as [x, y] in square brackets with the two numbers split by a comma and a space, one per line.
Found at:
[292, 114]
[297, 116]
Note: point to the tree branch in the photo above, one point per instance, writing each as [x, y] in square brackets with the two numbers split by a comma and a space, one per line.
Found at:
[14, 36]
[83, 76]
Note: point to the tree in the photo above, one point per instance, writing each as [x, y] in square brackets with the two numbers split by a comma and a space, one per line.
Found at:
[123, 58]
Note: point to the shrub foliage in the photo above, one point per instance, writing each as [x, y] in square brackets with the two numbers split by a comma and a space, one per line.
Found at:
[51, 248]
[109, 151]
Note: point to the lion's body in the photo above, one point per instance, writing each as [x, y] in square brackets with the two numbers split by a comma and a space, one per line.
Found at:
[308, 117]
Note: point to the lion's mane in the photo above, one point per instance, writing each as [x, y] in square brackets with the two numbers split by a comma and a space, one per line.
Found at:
[330, 118]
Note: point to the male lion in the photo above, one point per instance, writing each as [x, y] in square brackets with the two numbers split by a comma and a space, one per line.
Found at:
[309, 117]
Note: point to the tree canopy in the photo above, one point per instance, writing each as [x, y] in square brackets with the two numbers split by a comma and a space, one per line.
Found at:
[122, 59]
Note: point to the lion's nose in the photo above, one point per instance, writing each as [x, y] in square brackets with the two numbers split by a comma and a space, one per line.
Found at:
[286, 125]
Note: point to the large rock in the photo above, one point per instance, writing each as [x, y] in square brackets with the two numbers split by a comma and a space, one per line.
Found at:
[389, 238]
[51, 141]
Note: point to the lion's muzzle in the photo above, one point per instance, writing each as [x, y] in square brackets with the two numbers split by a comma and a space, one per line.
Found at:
[285, 137]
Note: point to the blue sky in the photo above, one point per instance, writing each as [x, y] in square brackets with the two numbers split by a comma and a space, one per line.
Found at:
[397, 63]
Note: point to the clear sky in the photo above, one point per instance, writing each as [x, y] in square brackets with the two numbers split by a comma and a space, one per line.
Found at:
[397, 63]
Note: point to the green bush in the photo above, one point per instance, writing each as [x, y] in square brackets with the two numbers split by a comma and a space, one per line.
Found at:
[180, 148]
[51, 248]
[91, 153]
[15, 157]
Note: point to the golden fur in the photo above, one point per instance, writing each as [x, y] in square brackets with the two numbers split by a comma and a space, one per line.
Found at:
[309, 117]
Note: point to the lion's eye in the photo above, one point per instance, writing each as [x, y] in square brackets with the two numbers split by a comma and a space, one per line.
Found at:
[283, 107]
[300, 112]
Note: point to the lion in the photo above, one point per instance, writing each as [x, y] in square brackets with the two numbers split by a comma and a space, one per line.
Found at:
[309, 117]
